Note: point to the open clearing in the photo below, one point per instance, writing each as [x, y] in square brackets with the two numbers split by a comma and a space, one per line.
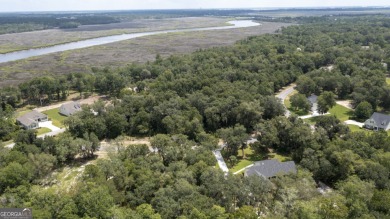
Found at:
[138, 50]
[56, 117]
[341, 112]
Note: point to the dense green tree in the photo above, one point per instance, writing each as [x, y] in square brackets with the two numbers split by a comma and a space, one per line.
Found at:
[234, 138]
[299, 101]
[326, 101]
[94, 201]
[272, 107]
[363, 110]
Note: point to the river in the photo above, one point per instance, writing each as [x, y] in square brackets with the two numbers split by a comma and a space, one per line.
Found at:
[23, 54]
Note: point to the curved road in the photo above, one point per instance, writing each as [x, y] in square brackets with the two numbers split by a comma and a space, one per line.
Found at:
[284, 94]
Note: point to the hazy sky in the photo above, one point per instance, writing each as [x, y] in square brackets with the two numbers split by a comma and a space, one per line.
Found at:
[65, 5]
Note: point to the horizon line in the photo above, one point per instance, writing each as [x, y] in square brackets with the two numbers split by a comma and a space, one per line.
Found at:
[244, 8]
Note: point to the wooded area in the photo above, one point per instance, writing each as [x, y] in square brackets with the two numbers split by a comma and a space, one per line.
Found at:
[186, 103]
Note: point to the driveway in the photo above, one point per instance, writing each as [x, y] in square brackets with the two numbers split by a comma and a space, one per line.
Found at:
[49, 125]
[52, 133]
[283, 95]
[221, 161]
[353, 122]
[313, 115]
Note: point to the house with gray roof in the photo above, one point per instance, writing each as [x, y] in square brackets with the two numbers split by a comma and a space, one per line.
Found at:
[32, 119]
[68, 109]
[271, 168]
[378, 121]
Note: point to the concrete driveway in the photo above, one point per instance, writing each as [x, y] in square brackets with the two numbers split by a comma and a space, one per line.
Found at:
[49, 125]
[353, 122]
[221, 161]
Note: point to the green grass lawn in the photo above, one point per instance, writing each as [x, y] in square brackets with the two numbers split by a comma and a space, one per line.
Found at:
[56, 117]
[355, 128]
[43, 130]
[241, 164]
[388, 81]
[341, 112]
[252, 156]
[279, 157]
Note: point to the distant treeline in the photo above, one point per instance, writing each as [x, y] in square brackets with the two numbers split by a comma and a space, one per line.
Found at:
[27, 22]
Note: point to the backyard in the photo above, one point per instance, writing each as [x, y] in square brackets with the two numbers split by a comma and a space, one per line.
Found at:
[56, 117]
[251, 156]
[43, 130]
[341, 112]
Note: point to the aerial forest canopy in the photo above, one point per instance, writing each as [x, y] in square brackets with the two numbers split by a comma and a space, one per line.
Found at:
[185, 103]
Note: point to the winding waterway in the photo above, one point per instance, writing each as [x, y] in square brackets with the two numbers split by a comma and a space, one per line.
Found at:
[23, 54]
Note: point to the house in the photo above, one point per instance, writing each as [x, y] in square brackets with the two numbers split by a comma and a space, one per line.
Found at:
[271, 168]
[378, 121]
[32, 119]
[68, 109]
[314, 105]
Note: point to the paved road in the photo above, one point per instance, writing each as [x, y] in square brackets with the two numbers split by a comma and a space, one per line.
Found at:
[284, 94]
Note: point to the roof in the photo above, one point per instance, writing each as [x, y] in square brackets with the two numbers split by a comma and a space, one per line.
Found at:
[30, 118]
[381, 120]
[270, 168]
[313, 99]
[71, 107]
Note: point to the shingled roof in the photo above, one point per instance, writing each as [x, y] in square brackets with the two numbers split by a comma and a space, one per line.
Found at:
[270, 168]
[381, 120]
[71, 107]
[31, 117]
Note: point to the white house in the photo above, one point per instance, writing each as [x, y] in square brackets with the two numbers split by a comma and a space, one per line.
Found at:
[378, 121]
[70, 108]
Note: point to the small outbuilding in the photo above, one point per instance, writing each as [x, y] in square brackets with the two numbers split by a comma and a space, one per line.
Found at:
[31, 120]
[271, 168]
[68, 109]
[378, 121]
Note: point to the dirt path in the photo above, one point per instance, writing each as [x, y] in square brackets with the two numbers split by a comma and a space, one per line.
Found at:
[345, 103]
[110, 146]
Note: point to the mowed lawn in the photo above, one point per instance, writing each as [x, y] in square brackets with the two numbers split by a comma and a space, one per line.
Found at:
[56, 117]
[341, 112]
[43, 130]
[251, 157]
